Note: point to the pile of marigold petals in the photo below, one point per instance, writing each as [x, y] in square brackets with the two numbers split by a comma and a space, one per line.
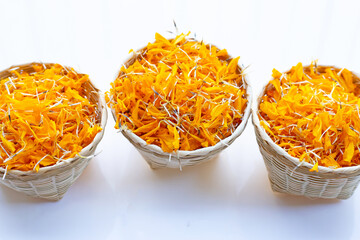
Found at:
[179, 94]
[45, 117]
[313, 113]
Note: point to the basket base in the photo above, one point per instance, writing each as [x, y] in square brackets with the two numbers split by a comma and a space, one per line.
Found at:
[56, 197]
[51, 187]
[309, 191]
[175, 162]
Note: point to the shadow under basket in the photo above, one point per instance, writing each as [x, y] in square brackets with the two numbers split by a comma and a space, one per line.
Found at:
[52, 182]
[157, 158]
[288, 175]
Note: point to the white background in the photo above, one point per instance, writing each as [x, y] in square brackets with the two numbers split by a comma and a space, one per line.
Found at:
[119, 196]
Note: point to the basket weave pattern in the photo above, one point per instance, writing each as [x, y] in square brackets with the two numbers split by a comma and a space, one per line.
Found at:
[288, 175]
[52, 182]
[157, 158]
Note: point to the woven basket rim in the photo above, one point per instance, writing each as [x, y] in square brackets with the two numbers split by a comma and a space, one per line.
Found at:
[178, 154]
[95, 142]
[280, 150]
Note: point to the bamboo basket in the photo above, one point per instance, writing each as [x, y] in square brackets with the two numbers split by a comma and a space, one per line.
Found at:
[52, 182]
[157, 158]
[288, 175]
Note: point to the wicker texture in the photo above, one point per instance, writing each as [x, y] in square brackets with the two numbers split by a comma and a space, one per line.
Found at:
[288, 175]
[52, 182]
[157, 158]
